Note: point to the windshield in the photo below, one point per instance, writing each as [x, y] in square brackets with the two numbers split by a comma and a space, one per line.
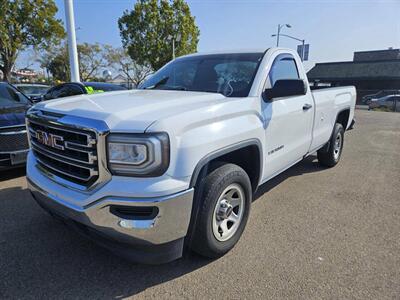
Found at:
[10, 96]
[33, 89]
[229, 74]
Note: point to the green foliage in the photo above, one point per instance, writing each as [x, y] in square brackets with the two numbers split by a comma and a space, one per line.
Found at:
[57, 63]
[148, 29]
[26, 23]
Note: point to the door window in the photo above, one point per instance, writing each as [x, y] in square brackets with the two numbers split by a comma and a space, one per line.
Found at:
[10, 96]
[73, 90]
[66, 90]
[284, 67]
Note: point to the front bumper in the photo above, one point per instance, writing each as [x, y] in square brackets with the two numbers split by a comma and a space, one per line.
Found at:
[169, 224]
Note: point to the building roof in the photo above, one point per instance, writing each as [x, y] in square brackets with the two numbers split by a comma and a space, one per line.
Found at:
[374, 55]
[358, 70]
[119, 79]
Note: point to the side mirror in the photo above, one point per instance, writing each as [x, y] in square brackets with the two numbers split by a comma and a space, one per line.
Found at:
[285, 88]
[36, 99]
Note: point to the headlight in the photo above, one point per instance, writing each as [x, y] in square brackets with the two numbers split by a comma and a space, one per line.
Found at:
[138, 154]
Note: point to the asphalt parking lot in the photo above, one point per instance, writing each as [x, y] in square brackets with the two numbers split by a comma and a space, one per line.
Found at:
[312, 233]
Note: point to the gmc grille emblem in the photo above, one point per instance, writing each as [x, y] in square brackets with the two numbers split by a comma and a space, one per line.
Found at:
[50, 140]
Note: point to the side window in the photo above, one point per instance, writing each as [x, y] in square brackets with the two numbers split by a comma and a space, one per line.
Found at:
[72, 90]
[284, 67]
[57, 92]
[49, 94]
[66, 90]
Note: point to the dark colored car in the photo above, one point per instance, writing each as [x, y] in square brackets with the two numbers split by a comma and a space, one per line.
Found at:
[32, 90]
[13, 137]
[78, 88]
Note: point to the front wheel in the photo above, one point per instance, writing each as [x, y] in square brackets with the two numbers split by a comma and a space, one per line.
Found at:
[330, 154]
[224, 209]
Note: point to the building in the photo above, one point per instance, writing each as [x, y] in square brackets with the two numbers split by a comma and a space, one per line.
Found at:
[119, 79]
[369, 72]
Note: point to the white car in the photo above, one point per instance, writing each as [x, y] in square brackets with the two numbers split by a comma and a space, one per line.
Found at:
[174, 165]
[390, 102]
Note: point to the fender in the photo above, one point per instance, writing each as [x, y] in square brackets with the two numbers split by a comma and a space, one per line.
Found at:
[339, 112]
[326, 146]
[220, 152]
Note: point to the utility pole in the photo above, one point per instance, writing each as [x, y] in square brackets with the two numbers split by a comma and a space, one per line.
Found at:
[279, 32]
[173, 48]
[302, 54]
[72, 49]
[174, 38]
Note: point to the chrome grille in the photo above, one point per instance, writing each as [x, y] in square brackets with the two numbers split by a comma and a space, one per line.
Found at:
[13, 138]
[76, 162]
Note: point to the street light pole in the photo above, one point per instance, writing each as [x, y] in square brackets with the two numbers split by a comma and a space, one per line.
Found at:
[279, 32]
[294, 38]
[277, 36]
[174, 38]
[173, 48]
[72, 50]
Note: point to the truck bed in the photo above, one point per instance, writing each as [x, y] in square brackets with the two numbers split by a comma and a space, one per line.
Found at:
[328, 102]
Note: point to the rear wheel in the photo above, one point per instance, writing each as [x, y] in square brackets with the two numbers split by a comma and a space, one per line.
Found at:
[223, 212]
[330, 154]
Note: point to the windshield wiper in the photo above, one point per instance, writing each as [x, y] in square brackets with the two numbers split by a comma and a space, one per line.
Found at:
[161, 82]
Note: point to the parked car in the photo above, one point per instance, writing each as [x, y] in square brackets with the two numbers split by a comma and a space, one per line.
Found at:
[33, 90]
[177, 162]
[13, 137]
[390, 102]
[366, 99]
[80, 88]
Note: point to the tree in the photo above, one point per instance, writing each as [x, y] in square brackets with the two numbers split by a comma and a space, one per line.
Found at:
[91, 60]
[26, 23]
[58, 64]
[148, 29]
[45, 59]
[119, 59]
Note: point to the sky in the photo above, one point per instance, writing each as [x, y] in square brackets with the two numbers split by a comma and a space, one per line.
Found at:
[334, 29]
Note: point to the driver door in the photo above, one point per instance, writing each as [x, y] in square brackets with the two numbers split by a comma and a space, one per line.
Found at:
[288, 120]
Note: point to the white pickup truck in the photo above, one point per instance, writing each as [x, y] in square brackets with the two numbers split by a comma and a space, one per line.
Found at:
[174, 164]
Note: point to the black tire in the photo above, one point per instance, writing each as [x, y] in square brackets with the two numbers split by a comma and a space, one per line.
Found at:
[330, 154]
[203, 240]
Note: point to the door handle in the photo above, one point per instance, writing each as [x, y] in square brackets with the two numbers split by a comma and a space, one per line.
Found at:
[307, 106]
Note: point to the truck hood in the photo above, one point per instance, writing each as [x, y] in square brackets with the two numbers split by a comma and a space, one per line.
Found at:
[131, 111]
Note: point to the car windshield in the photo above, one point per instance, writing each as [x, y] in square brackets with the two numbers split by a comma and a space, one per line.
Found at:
[10, 96]
[229, 74]
[33, 89]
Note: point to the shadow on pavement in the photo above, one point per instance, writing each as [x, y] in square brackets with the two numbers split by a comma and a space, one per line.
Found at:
[307, 165]
[43, 258]
[8, 174]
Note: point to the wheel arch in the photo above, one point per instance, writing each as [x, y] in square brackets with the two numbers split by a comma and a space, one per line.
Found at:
[238, 154]
[342, 117]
